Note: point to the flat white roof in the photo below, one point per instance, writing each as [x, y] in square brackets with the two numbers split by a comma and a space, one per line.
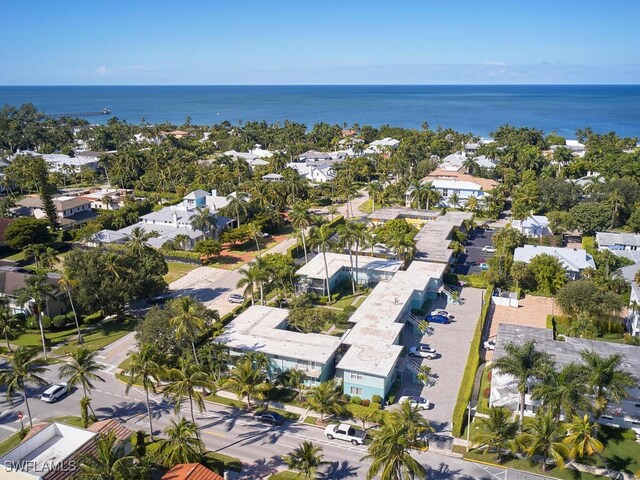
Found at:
[262, 329]
[376, 320]
[53, 444]
[432, 241]
[336, 261]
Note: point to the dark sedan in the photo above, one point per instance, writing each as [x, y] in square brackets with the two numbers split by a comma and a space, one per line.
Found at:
[437, 319]
[271, 418]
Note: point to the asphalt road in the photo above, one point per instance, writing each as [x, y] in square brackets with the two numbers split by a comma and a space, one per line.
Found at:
[469, 261]
[231, 432]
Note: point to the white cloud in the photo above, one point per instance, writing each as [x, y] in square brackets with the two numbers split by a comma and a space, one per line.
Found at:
[103, 70]
[493, 62]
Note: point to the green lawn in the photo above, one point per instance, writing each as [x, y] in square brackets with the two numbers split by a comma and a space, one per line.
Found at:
[621, 452]
[178, 270]
[347, 300]
[365, 207]
[483, 403]
[286, 475]
[32, 339]
[16, 257]
[528, 466]
[230, 402]
[13, 441]
[102, 335]
[310, 419]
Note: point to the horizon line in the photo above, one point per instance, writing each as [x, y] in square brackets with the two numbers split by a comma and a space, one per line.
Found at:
[332, 85]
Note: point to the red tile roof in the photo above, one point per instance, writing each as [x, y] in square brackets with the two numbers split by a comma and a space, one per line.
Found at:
[191, 471]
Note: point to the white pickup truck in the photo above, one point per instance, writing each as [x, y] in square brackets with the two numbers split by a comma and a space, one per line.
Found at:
[345, 432]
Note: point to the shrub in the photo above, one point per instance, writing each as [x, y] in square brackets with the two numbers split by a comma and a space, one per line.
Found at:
[365, 403]
[345, 397]
[92, 318]
[376, 399]
[490, 375]
[356, 400]
[59, 321]
[376, 405]
[486, 392]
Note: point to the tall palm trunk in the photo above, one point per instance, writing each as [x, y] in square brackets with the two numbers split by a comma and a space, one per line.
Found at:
[6, 337]
[304, 245]
[353, 281]
[75, 316]
[26, 404]
[522, 400]
[44, 340]
[146, 391]
[255, 236]
[193, 418]
[261, 294]
[326, 272]
[195, 356]
[357, 248]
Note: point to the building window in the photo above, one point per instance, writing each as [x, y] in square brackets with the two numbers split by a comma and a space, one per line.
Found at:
[356, 391]
[445, 192]
[356, 376]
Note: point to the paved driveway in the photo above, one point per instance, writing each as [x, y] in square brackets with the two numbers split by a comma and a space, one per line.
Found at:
[468, 262]
[211, 286]
[452, 342]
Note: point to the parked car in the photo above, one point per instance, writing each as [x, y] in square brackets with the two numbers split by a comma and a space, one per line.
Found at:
[55, 393]
[345, 432]
[265, 235]
[272, 418]
[483, 266]
[159, 299]
[415, 401]
[438, 319]
[438, 311]
[489, 249]
[490, 345]
[424, 351]
[235, 298]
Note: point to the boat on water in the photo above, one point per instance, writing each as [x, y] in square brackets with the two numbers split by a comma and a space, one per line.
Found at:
[105, 111]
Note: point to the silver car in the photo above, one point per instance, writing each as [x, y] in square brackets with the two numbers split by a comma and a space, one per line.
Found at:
[415, 401]
[54, 393]
[236, 298]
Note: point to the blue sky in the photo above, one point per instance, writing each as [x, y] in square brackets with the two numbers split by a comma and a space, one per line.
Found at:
[115, 42]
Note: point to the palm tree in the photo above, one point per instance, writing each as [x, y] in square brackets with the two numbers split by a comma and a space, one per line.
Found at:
[522, 362]
[543, 437]
[188, 381]
[183, 445]
[247, 380]
[347, 237]
[9, 323]
[66, 284]
[189, 321]
[361, 236]
[390, 454]
[413, 420]
[496, 431]
[581, 438]
[82, 370]
[373, 189]
[618, 202]
[143, 370]
[561, 391]
[403, 245]
[301, 219]
[454, 200]
[306, 459]
[49, 258]
[425, 375]
[472, 203]
[605, 379]
[295, 378]
[203, 220]
[24, 368]
[138, 240]
[109, 462]
[324, 399]
[215, 357]
[238, 202]
[321, 236]
[36, 293]
[113, 264]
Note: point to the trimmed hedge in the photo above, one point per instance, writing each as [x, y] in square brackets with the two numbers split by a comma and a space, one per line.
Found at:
[459, 417]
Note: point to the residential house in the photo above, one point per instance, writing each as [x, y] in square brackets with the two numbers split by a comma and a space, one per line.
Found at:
[312, 156]
[573, 260]
[617, 241]
[53, 451]
[319, 172]
[312, 277]
[273, 177]
[107, 198]
[485, 162]
[173, 222]
[534, 226]
[72, 211]
[504, 388]
[266, 330]
[382, 146]
[450, 182]
[253, 159]
[434, 238]
[190, 471]
[59, 162]
[13, 279]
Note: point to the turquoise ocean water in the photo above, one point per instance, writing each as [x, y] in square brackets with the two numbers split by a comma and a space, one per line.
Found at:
[470, 108]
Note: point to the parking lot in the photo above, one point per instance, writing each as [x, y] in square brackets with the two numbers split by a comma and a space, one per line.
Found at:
[452, 342]
[468, 262]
